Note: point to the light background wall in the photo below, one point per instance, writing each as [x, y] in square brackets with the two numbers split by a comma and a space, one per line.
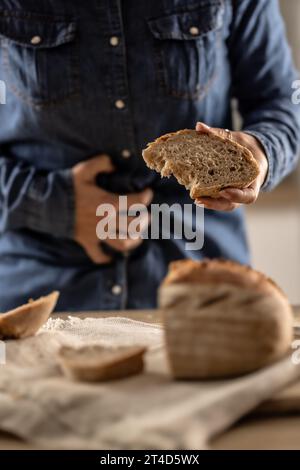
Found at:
[291, 12]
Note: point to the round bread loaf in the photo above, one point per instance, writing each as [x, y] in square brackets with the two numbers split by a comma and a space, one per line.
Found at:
[222, 319]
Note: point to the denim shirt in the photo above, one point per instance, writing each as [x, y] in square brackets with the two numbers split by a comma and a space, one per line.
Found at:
[107, 76]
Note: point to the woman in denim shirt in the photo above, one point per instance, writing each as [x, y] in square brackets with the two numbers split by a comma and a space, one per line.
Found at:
[88, 84]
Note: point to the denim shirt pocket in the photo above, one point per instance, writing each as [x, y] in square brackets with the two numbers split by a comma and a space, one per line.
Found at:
[186, 47]
[39, 57]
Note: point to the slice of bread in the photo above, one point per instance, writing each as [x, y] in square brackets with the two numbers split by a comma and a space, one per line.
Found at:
[204, 163]
[27, 319]
[97, 363]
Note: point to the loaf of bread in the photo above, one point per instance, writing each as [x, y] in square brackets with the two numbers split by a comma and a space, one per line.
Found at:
[27, 319]
[222, 319]
[204, 163]
[98, 364]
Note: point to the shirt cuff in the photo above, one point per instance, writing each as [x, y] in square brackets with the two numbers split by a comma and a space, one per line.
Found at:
[268, 183]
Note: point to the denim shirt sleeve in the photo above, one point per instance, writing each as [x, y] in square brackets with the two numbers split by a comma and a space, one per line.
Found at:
[36, 200]
[263, 74]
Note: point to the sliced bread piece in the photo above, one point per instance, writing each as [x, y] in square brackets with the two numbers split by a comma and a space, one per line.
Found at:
[27, 319]
[204, 163]
[97, 363]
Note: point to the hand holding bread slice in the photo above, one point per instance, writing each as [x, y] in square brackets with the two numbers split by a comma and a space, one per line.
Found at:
[208, 161]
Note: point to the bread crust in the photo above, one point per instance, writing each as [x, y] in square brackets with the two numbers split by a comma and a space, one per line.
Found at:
[99, 364]
[225, 140]
[196, 190]
[217, 271]
[27, 319]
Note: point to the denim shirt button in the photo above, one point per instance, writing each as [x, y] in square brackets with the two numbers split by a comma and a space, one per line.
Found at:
[119, 104]
[114, 41]
[126, 153]
[35, 40]
[194, 30]
[116, 289]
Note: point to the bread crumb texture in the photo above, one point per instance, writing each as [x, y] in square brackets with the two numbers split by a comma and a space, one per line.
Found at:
[203, 163]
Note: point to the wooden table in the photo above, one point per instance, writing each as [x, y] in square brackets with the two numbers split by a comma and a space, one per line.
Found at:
[255, 432]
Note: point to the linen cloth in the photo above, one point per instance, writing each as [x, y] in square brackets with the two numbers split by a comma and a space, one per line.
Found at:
[40, 405]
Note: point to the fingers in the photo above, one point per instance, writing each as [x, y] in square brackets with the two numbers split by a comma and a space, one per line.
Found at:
[89, 198]
[132, 226]
[128, 225]
[127, 232]
[231, 198]
[89, 169]
[201, 127]
[220, 204]
[205, 129]
[94, 252]
[145, 197]
[240, 196]
[124, 245]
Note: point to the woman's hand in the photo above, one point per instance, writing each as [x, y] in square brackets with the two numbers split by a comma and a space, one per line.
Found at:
[88, 196]
[231, 198]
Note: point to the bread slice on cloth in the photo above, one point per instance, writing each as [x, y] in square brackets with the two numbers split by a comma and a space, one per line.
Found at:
[95, 363]
[222, 319]
[204, 163]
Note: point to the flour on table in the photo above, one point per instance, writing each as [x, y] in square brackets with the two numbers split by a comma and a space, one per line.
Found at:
[110, 331]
